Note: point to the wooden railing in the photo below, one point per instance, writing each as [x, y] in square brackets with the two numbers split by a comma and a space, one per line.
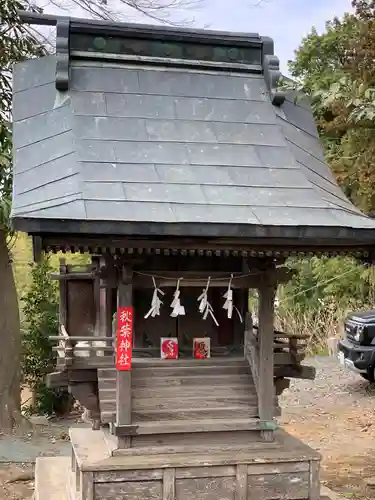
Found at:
[82, 351]
[288, 351]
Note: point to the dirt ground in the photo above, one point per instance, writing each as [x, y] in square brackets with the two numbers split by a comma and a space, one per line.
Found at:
[334, 414]
[18, 453]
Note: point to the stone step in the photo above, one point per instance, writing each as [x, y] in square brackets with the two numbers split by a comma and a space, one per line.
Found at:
[51, 478]
[73, 493]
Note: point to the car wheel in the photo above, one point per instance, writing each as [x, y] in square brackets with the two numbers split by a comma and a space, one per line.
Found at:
[370, 375]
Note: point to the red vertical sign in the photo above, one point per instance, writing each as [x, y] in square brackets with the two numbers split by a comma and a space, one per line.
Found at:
[124, 345]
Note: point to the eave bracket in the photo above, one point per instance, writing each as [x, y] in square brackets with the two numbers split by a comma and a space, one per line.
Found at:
[272, 73]
[273, 76]
[62, 54]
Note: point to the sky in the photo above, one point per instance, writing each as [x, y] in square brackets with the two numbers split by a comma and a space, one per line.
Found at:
[286, 21]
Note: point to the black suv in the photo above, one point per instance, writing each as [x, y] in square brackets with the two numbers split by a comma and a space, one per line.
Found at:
[357, 351]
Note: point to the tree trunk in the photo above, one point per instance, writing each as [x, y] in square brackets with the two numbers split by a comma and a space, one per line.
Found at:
[10, 343]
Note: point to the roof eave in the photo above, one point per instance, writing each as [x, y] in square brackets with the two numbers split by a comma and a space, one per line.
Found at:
[306, 236]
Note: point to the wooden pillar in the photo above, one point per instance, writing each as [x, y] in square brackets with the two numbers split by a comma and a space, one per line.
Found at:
[266, 390]
[106, 329]
[37, 243]
[63, 312]
[123, 385]
[95, 260]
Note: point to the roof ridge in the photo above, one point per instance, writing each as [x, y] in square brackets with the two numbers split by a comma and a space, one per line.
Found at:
[222, 50]
[109, 27]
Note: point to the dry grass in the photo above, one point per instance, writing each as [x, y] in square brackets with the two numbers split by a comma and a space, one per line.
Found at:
[318, 327]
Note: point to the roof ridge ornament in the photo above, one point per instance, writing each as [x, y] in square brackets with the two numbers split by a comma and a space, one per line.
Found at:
[62, 54]
[273, 77]
[272, 73]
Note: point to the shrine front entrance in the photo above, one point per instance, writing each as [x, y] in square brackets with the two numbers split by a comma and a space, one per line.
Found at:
[226, 335]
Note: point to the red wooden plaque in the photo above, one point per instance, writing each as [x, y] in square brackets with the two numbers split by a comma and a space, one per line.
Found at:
[201, 348]
[124, 345]
[169, 348]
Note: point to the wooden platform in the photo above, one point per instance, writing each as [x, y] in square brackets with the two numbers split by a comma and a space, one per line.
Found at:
[56, 481]
[285, 469]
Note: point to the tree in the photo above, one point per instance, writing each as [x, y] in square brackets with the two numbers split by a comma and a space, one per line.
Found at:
[40, 307]
[337, 70]
[16, 43]
[156, 10]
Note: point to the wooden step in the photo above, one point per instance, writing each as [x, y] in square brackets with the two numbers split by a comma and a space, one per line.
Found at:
[233, 392]
[94, 452]
[140, 365]
[193, 443]
[246, 401]
[183, 371]
[227, 391]
[178, 401]
[178, 381]
[240, 389]
[197, 410]
[106, 384]
[109, 417]
[153, 446]
[193, 426]
[195, 414]
[186, 380]
[192, 380]
[215, 361]
[110, 405]
[194, 401]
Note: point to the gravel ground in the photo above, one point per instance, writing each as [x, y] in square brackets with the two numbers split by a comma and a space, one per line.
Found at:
[334, 414]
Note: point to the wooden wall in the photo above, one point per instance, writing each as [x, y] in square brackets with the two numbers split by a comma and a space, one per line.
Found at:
[80, 307]
[233, 482]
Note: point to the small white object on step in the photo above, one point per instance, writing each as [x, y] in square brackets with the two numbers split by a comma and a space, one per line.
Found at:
[79, 353]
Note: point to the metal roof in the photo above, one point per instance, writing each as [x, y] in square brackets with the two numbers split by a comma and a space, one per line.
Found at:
[136, 147]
